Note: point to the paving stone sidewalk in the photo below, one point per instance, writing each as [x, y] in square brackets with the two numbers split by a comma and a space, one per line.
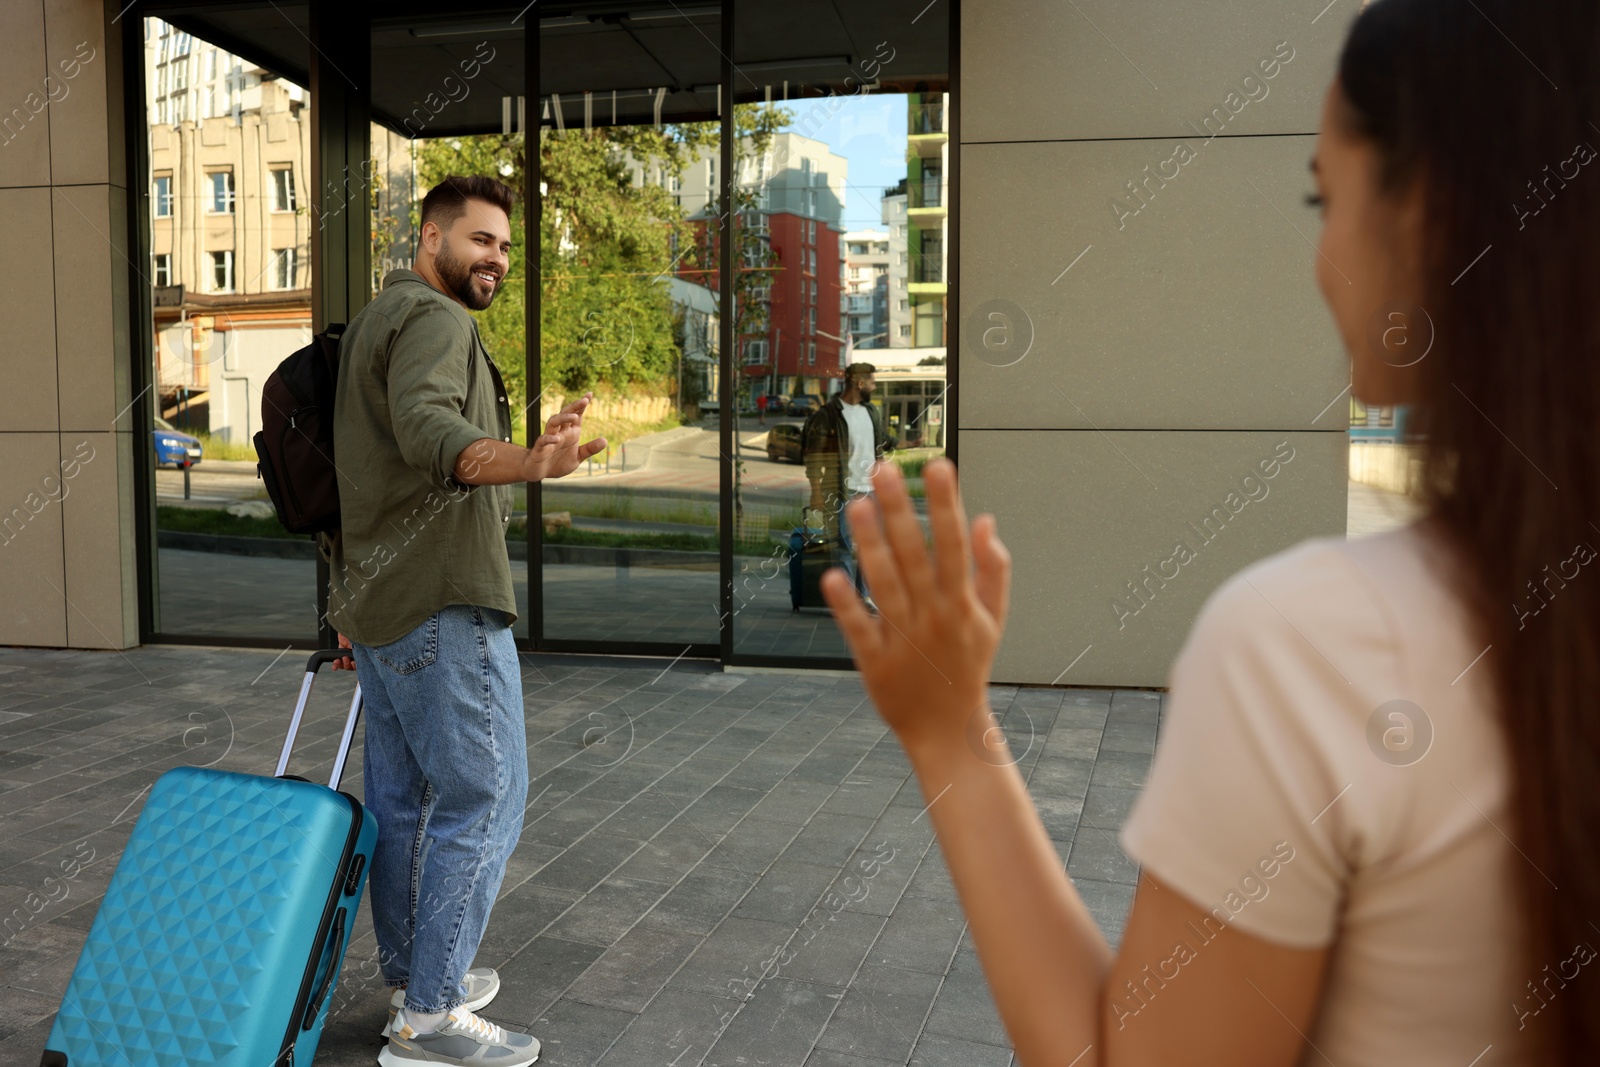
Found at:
[716, 868]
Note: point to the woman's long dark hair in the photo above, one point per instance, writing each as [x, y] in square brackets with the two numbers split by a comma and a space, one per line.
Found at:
[1493, 107]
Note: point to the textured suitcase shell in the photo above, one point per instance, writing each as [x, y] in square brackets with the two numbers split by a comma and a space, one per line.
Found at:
[235, 896]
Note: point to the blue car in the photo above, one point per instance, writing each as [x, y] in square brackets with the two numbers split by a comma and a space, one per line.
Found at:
[174, 448]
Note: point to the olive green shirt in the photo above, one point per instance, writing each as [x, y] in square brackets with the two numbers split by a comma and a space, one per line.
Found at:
[416, 387]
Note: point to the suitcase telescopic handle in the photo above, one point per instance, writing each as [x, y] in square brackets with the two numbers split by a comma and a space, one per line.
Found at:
[318, 658]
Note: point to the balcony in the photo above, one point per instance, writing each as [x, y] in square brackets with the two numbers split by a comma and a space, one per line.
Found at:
[925, 199]
[926, 118]
[926, 135]
[925, 273]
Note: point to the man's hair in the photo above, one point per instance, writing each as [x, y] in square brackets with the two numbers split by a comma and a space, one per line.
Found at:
[447, 201]
[856, 371]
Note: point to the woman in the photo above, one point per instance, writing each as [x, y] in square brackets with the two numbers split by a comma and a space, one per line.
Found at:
[1371, 833]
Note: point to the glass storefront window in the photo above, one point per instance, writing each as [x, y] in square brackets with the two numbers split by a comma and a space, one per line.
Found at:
[853, 153]
[629, 308]
[230, 298]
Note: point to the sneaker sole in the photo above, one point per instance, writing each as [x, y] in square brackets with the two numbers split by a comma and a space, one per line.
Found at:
[470, 1005]
[389, 1059]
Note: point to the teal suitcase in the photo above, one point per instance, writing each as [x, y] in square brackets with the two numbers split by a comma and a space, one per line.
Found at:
[220, 936]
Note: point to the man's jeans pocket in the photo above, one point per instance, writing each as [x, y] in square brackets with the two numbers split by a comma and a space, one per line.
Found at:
[414, 651]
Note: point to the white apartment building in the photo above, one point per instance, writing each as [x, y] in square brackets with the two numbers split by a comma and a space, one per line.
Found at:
[866, 294]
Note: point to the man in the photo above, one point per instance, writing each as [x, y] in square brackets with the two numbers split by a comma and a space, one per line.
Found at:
[761, 408]
[421, 593]
[842, 441]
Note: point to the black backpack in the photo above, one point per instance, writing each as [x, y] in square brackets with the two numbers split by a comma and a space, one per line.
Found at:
[295, 444]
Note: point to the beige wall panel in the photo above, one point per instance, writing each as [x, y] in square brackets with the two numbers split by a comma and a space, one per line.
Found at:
[24, 100]
[28, 309]
[1201, 311]
[32, 611]
[1084, 513]
[91, 269]
[98, 518]
[1035, 70]
[77, 63]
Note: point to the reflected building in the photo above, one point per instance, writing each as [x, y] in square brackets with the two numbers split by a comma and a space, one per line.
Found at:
[866, 295]
[794, 235]
[927, 215]
[231, 221]
[230, 157]
[897, 299]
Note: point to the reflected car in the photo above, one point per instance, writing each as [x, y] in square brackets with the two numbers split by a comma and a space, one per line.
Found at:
[803, 404]
[783, 443]
[174, 448]
[776, 402]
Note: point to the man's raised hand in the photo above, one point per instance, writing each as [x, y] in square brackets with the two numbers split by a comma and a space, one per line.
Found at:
[557, 452]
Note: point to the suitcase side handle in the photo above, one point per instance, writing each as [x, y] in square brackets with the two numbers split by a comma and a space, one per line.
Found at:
[318, 658]
[335, 953]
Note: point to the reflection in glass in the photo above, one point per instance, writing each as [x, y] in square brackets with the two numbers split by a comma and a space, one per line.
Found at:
[629, 309]
[844, 220]
[230, 159]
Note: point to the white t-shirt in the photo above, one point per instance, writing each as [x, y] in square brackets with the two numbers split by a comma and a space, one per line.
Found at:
[1264, 764]
[858, 476]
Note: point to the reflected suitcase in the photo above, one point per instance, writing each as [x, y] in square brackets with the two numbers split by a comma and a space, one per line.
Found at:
[810, 554]
[220, 936]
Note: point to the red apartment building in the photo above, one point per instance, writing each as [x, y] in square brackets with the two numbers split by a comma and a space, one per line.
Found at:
[795, 347]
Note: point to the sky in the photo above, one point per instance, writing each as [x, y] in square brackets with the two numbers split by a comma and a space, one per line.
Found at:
[869, 131]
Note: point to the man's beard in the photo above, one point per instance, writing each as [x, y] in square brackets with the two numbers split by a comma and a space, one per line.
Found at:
[459, 279]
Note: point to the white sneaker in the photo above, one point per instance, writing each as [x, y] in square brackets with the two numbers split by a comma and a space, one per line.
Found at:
[462, 1039]
[481, 984]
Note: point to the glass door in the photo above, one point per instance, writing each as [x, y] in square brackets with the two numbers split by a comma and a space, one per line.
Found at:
[629, 309]
[843, 208]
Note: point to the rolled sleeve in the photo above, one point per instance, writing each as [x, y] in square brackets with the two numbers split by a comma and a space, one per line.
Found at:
[427, 392]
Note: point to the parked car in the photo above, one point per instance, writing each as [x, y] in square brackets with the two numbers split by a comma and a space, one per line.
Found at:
[776, 402]
[803, 404]
[174, 447]
[783, 443]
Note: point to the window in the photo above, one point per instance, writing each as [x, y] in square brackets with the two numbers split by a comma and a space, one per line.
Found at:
[163, 270]
[811, 320]
[811, 351]
[811, 230]
[283, 189]
[755, 352]
[163, 196]
[813, 291]
[222, 192]
[904, 303]
[222, 272]
[283, 268]
[905, 331]
[811, 260]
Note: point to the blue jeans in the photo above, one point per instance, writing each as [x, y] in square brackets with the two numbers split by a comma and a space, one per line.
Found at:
[847, 556]
[446, 778]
